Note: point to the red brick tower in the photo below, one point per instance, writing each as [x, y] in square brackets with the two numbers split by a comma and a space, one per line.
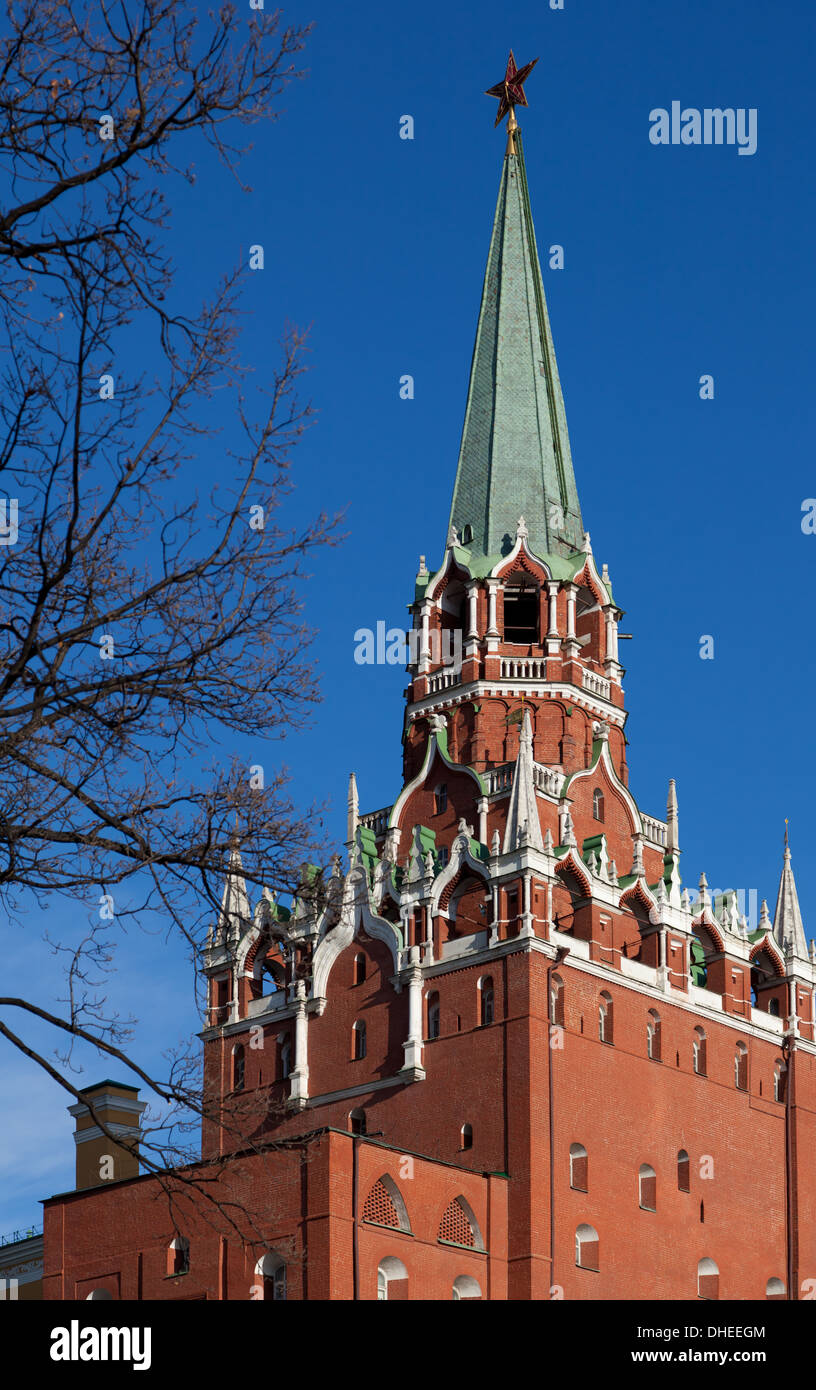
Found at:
[510, 976]
[544, 1070]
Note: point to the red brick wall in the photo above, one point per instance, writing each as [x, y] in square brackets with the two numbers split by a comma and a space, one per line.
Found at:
[302, 1203]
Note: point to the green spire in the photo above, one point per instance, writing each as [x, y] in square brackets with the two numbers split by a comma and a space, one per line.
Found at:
[515, 455]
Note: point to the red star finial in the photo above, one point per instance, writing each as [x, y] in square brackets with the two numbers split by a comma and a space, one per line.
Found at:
[510, 92]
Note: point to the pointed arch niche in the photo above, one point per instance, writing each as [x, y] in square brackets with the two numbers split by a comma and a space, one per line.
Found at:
[466, 901]
[768, 990]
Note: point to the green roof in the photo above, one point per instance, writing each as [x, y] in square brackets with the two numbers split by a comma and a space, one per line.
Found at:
[515, 455]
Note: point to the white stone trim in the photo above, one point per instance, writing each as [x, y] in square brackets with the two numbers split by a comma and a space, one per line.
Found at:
[350, 1092]
[105, 1100]
[356, 908]
[82, 1136]
[506, 560]
[613, 714]
[450, 562]
[703, 1003]
[625, 793]
[699, 1002]
[431, 750]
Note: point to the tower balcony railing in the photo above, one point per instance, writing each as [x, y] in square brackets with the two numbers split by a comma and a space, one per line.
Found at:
[547, 779]
[500, 779]
[443, 680]
[655, 831]
[376, 820]
[596, 685]
[523, 668]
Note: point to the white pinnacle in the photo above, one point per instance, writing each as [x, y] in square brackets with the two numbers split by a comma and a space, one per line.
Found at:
[523, 804]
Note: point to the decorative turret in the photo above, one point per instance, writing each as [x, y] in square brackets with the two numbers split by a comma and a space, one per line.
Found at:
[672, 825]
[522, 813]
[787, 924]
[352, 811]
[236, 913]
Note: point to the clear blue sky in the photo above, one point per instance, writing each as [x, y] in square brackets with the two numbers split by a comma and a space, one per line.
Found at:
[680, 261]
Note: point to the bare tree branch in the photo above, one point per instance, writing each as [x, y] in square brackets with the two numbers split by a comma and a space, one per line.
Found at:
[143, 628]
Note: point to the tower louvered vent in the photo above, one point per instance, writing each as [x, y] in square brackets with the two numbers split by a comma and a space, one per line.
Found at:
[456, 1227]
[379, 1207]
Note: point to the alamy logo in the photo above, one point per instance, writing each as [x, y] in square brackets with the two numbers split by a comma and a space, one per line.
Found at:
[8, 521]
[714, 125]
[743, 900]
[75, 1343]
[394, 647]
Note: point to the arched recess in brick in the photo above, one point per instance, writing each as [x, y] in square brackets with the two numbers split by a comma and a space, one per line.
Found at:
[571, 895]
[385, 1206]
[637, 930]
[270, 1278]
[768, 988]
[461, 733]
[392, 1280]
[459, 1225]
[465, 1286]
[468, 906]
[708, 1280]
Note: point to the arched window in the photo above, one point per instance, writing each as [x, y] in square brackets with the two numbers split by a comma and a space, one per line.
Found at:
[467, 534]
[466, 1287]
[605, 1020]
[285, 1056]
[700, 1052]
[486, 1000]
[178, 1256]
[741, 1067]
[359, 968]
[238, 1067]
[579, 1168]
[774, 1289]
[392, 1279]
[521, 607]
[358, 1041]
[557, 1001]
[647, 1187]
[586, 1247]
[466, 1135]
[773, 1007]
[780, 1080]
[653, 1036]
[102, 1294]
[433, 1015]
[357, 1121]
[683, 1172]
[598, 804]
[270, 1274]
[708, 1280]
[441, 798]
